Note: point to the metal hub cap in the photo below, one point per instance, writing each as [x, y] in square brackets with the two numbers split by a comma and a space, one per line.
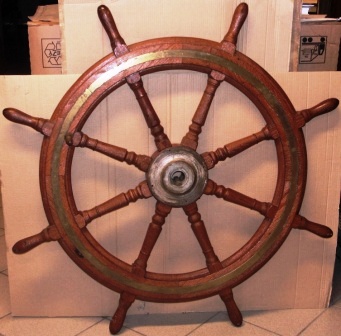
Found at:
[177, 176]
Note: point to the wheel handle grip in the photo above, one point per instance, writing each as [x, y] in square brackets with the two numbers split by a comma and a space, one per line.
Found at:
[238, 19]
[27, 244]
[110, 27]
[320, 230]
[325, 106]
[22, 118]
[233, 311]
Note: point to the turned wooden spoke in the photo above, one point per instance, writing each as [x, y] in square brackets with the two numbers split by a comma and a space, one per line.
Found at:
[236, 147]
[199, 229]
[80, 139]
[152, 119]
[122, 200]
[212, 261]
[230, 195]
[134, 80]
[200, 116]
[266, 209]
[153, 233]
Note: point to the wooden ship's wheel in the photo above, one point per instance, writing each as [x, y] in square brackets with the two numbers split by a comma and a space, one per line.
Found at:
[176, 175]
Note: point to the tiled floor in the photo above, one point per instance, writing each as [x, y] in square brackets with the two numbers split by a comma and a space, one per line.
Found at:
[305, 322]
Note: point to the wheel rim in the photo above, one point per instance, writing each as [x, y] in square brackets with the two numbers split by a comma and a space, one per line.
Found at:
[105, 77]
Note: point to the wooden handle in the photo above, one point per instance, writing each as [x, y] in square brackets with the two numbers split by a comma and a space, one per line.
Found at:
[238, 19]
[233, 311]
[27, 244]
[116, 323]
[320, 230]
[20, 117]
[325, 106]
[41, 125]
[110, 27]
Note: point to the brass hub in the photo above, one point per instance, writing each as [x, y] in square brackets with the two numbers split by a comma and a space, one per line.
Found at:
[177, 176]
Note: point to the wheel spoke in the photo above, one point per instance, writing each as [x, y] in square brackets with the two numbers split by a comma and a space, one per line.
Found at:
[120, 201]
[153, 233]
[266, 209]
[151, 117]
[134, 80]
[236, 147]
[199, 229]
[80, 139]
[199, 118]
[232, 196]
[212, 261]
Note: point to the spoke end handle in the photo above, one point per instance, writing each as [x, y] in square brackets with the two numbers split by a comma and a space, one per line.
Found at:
[39, 124]
[117, 43]
[27, 244]
[233, 311]
[239, 16]
[116, 323]
[318, 229]
[325, 106]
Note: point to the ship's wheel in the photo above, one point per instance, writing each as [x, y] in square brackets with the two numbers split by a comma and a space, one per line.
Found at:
[176, 175]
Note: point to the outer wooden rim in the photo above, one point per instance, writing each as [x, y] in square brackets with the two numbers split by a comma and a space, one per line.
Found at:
[104, 77]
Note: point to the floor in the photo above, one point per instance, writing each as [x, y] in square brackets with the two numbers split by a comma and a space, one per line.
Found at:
[305, 322]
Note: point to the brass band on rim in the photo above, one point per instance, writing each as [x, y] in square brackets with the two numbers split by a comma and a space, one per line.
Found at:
[219, 278]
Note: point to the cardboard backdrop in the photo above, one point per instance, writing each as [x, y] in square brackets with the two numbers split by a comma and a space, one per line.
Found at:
[45, 282]
[265, 37]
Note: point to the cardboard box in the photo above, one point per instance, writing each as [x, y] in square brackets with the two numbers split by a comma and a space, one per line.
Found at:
[265, 38]
[319, 45]
[45, 282]
[45, 49]
[45, 41]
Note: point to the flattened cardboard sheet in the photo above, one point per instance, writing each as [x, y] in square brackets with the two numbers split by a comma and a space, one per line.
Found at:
[45, 282]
